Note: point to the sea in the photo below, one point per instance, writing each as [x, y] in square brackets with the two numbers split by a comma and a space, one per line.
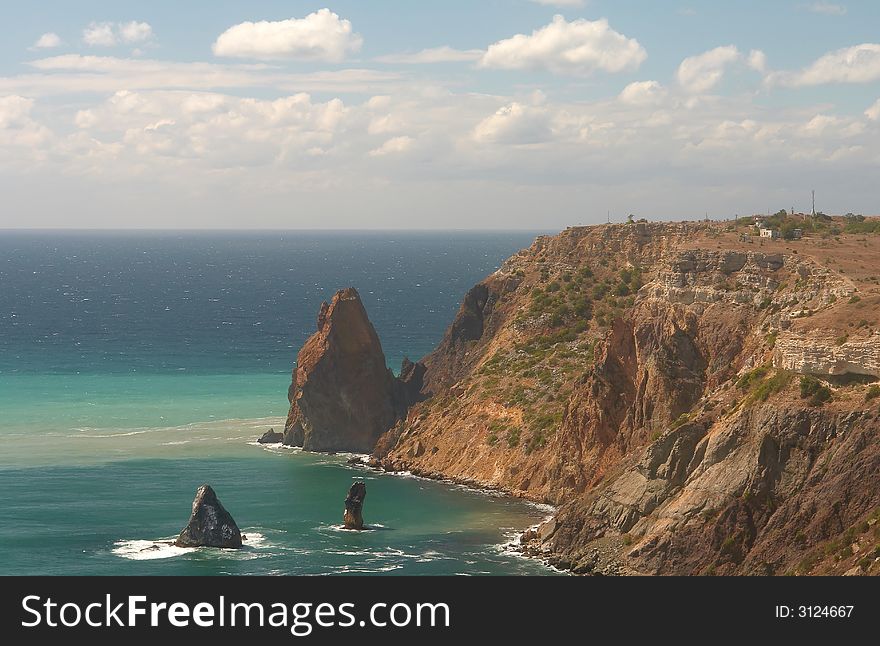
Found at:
[136, 366]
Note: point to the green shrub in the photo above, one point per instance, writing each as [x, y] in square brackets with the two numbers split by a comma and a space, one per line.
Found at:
[813, 388]
[775, 384]
[809, 386]
[873, 393]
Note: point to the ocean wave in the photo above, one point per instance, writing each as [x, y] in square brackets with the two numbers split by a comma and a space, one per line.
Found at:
[164, 548]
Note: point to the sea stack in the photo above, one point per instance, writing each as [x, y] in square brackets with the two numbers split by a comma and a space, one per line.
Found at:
[210, 525]
[342, 396]
[353, 517]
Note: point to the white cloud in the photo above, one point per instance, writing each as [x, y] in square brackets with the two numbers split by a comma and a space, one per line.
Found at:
[873, 113]
[393, 146]
[579, 47]
[443, 54]
[99, 35]
[135, 32]
[827, 8]
[758, 60]
[108, 34]
[514, 124]
[562, 3]
[642, 93]
[18, 128]
[320, 36]
[74, 73]
[47, 41]
[831, 128]
[703, 72]
[14, 109]
[857, 64]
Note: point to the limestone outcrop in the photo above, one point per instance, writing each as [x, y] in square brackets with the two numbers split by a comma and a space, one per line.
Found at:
[822, 354]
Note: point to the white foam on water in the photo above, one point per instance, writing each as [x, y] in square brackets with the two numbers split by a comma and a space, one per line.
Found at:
[146, 550]
[255, 539]
[140, 550]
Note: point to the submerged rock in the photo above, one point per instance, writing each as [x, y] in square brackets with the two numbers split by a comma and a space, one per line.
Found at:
[343, 397]
[354, 504]
[271, 437]
[210, 525]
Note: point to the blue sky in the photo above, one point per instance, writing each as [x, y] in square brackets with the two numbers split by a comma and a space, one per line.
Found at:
[494, 114]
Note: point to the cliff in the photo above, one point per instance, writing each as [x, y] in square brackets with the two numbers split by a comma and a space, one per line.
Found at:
[342, 394]
[695, 400]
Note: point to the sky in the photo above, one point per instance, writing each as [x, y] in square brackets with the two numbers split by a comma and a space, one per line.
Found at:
[494, 114]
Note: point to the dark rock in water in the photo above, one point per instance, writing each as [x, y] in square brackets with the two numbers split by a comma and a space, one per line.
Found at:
[210, 525]
[270, 437]
[354, 505]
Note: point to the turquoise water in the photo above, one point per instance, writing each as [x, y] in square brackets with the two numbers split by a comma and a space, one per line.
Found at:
[135, 367]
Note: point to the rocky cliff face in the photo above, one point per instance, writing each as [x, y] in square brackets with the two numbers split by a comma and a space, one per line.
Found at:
[342, 395]
[823, 354]
[658, 381]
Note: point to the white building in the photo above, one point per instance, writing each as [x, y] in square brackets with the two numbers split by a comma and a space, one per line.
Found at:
[769, 233]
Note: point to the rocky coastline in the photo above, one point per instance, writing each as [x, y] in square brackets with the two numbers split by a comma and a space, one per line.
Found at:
[689, 401]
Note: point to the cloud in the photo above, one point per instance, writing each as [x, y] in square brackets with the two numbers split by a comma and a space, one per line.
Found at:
[827, 8]
[393, 146]
[443, 54]
[579, 48]
[99, 35]
[320, 36]
[642, 93]
[873, 113]
[703, 72]
[857, 64]
[514, 124]
[74, 73]
[757, 61]
[135, 32]
[108, 34]
[47, 41]
[562, 3]
[18, 128]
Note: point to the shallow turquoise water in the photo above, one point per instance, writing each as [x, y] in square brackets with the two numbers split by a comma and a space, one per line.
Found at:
[108, 519]
[135, 367]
